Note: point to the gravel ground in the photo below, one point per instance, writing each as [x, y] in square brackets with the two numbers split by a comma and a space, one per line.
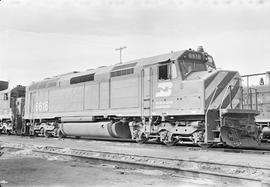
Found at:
[27, 168]
[177, 152]
[67, 171]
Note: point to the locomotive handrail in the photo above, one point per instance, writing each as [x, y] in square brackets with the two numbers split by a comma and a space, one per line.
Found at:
[229, 86]
[211, 100]
[242, 97]
[249, 94]
[207, 110]
[249, 100]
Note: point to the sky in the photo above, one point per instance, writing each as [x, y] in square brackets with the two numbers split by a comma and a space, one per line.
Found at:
[44, 38]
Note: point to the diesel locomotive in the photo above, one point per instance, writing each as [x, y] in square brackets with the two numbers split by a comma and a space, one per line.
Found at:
[12, 110]
[179, 97]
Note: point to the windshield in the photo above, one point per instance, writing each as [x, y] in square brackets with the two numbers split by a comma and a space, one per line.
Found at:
[189, 66]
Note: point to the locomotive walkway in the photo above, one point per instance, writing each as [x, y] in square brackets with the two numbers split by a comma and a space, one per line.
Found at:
[248, 168]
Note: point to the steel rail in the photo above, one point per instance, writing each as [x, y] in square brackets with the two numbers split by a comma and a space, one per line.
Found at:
[255, 150]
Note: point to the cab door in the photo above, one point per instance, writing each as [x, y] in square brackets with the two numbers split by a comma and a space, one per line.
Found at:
[33, 106]
[164, 96]
[146, 91]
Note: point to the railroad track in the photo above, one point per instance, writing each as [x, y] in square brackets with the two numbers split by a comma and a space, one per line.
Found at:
[259, 150]
[237, 174]
[265, 150]
[245, 151]
[233, 150]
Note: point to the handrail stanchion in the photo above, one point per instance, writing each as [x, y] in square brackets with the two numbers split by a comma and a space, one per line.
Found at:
[230, 87]
[250, 98]
[242, 97]
[256, 98]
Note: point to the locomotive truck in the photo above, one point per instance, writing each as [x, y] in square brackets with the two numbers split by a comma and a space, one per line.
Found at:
[179, 97]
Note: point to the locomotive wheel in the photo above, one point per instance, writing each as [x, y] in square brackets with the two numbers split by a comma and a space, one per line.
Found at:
[261, 136]
[170, 143]
[60, 134]
[46, 134]
[170, 140]
[8, 132]
[4, 131]
[158, 140]
[141, 139]
[35, 134]
[42, 132]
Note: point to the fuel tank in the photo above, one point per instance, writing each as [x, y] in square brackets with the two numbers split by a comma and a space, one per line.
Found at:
[104, 129]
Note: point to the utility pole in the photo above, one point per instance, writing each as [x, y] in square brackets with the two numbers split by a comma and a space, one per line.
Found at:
[120, 49]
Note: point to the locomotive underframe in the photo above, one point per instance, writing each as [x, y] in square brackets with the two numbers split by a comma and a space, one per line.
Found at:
[230, 127]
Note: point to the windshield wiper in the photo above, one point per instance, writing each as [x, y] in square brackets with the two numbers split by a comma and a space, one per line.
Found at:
[187, 74]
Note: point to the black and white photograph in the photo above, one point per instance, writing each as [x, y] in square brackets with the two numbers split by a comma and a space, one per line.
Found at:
[137, 93]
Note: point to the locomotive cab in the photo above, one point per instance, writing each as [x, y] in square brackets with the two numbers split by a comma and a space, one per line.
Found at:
[187, 100]
[173, 98]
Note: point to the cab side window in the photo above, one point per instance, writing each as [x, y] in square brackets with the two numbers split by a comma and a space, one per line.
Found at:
[5, 96]
[167, 71]
[163, 72]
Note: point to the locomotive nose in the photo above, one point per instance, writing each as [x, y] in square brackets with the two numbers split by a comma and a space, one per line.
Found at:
[221, 89]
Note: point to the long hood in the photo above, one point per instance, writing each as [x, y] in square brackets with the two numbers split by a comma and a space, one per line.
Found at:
[222, 90]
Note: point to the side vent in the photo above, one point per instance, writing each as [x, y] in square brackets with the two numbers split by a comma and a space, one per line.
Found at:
[122, 72]
[42, 85]
[124, 66]
[82, 78]
[33, 86]
[51, 84]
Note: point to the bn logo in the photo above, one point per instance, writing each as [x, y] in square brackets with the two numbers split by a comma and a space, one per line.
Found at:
[164, 89]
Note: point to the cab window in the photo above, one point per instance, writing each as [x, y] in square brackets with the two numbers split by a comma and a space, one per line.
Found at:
[189, 66]
[167, 71]
[5, 96]
[163, 72]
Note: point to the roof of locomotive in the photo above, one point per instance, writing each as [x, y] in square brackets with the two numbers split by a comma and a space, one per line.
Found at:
[156, 59]
[107, 69]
